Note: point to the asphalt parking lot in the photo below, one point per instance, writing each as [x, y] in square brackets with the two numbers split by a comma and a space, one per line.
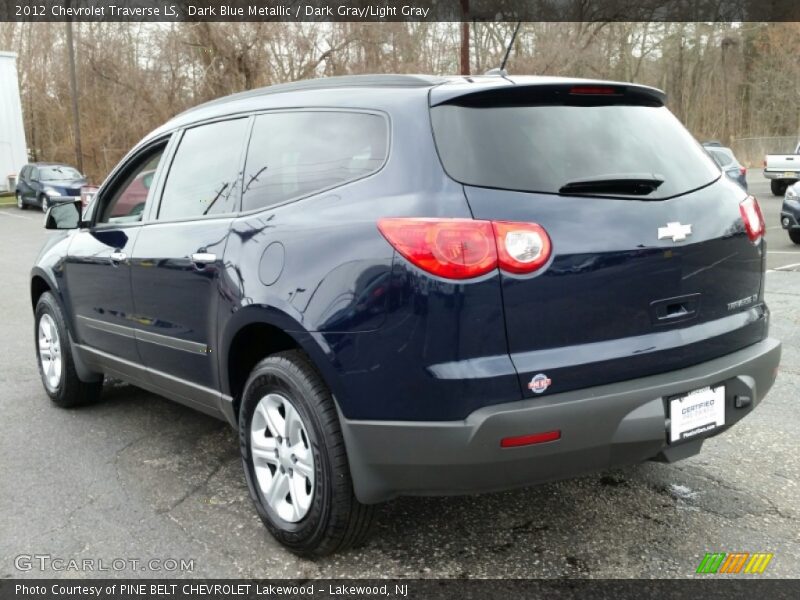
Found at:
[136, 476]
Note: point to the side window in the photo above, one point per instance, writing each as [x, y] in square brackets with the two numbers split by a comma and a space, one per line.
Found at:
[127, 203]
[293, 154]
[34, 174]
[203, 178]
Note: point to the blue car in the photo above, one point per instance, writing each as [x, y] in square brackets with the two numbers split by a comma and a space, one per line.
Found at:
[790, 212]
[44, 184]
[408, 285]
[727, 161]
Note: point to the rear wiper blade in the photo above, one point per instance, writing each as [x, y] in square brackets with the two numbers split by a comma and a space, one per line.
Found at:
[625, 185]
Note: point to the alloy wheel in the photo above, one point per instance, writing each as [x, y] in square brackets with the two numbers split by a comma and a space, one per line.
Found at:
[50, 352]
[282, 457]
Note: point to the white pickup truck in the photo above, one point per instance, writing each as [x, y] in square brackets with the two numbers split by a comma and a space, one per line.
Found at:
[783, 170]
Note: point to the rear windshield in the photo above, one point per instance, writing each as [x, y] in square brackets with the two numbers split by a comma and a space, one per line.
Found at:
[542, 148]
[723, 160]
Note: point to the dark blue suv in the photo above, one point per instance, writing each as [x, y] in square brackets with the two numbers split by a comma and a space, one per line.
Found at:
[416, 285]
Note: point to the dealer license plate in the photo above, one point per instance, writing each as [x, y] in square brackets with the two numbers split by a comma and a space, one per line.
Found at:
[696, 413]
[790, 174]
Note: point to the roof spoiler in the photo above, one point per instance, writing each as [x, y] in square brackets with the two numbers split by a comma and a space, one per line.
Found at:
[577, 93]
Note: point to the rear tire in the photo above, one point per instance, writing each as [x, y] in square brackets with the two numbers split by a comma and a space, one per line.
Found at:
[54, 358]
[794, 235]
[326, 516]
[778, 187]
[21, 203]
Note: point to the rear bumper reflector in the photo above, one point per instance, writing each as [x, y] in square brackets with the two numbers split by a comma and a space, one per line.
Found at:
[528, 440]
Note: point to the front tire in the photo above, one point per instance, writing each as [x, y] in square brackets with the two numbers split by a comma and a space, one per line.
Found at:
[794, 235]
[44, 202]
[778, 187]
[295, 461]
[54, 358]
[21, 203]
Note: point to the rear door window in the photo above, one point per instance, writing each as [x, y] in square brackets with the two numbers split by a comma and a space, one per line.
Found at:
[542, 148]
[295, 154]
[203, 178]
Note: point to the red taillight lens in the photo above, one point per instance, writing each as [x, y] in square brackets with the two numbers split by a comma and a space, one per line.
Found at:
[752, 217]
[521, 247]
[451, 248]
[743, 171]
[466, 248]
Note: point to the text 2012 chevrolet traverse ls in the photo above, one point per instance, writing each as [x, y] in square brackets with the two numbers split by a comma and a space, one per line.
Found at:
[416, 285]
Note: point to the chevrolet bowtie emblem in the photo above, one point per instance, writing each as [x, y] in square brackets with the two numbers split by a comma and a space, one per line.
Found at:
[675, 230]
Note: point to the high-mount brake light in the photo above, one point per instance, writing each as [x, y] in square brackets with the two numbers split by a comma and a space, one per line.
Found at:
[752, 217]
[467, 248]
[593, 90]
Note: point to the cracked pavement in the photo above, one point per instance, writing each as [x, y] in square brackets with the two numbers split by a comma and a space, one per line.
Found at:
[137, 476]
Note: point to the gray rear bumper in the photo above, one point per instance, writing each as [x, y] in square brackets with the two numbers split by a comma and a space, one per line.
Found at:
[601, 427]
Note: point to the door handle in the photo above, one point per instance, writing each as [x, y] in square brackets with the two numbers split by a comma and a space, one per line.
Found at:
[202, 259]
[117, 256]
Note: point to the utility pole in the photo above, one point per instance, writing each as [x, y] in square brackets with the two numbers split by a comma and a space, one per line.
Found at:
[727, 43]
[464, 37]
[73, 88]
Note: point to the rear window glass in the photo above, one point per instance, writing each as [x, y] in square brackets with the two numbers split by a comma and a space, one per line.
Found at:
[541, 148]
[723, 160]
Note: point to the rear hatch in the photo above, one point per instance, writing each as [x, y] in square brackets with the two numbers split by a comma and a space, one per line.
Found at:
[652, 268]
[783, 162]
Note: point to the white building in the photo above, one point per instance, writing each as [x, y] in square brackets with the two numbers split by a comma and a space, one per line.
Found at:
[13, 149]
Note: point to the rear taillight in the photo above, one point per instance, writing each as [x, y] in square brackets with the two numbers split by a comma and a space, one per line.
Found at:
[451, 248]
[467, 248]
[752, 217]
[521, 247]
[742, 171]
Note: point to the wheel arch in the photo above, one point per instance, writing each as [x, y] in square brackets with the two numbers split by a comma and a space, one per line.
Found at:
[40, 283]
[256, 332]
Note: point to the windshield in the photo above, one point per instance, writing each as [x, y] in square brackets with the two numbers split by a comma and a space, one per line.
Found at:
[59, 173]
[543, 148]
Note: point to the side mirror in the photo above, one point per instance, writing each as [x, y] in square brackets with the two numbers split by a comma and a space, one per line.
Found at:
[64, 215]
